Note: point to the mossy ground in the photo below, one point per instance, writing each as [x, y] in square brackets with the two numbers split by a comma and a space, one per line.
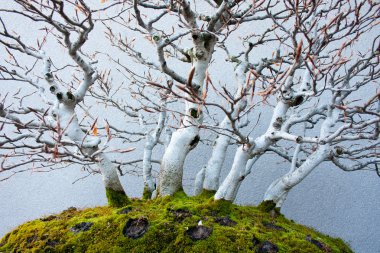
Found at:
[167, 230]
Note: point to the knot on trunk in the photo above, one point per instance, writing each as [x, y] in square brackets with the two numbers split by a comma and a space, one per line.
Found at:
[194, 142]
[204, 44]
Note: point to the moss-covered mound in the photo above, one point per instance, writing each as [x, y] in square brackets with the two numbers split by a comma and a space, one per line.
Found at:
[170, 224]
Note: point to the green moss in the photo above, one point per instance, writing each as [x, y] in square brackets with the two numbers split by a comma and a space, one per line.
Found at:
[147, 194]
[116, 198]
[268, 205]
[169, 219]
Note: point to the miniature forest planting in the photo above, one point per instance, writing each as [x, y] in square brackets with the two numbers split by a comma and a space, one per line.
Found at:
[103, 81]
[171, 224]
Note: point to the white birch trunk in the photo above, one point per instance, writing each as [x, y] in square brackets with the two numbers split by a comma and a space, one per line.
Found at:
[279, 189]
[230, 186]
[151, 141]
[68, 124]
[186, 137]
[259, 146]
[216, 161]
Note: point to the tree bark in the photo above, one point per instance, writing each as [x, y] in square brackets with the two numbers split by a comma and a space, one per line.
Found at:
[186, 137]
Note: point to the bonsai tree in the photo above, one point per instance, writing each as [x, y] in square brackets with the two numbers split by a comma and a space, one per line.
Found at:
[309, 64]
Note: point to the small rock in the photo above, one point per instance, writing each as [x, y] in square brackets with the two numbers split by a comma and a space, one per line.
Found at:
[225, 221]
[199, 232]
[255, 241]
[52, 243]
[49, 218]
[273, 226]
[136, 228]
[83, 226]
[317, 243]
[267, 247]
[70, 209]
[125, 210]
[31, 239]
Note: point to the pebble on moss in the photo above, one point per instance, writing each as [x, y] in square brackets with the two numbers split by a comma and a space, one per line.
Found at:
[136, 228]
[255, 241]
[180, 214]
[225, 221]
[199, 232]
[273, 226]
[317, 243]
[83, 226]
[49, 218]
[267, 247]
[125, 210]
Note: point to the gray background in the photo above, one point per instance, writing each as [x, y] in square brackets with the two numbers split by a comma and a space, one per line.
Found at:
[345, 205]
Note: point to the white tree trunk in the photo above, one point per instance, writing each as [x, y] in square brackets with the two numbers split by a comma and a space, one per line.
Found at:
[170, 179]
[216, 161]
[230, 186]
[211, 174]
[186, 137]
[151, 141]
[280, 188]
[68, 122]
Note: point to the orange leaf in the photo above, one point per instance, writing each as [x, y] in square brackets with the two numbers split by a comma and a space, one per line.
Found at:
[95, 131]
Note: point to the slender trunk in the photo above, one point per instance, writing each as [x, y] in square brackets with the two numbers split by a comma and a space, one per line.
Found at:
[69, 126]
[151, 141]
[211, 173]
[230, 186]
[216, 161]
[115, 193]
[280, 188]
[240, 167]
[186, 137]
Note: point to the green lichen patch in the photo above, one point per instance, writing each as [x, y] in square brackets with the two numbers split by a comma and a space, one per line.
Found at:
[168, 224]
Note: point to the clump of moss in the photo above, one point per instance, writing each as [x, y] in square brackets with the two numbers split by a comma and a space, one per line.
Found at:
[147, 194]
[116, 198]
[166, 226]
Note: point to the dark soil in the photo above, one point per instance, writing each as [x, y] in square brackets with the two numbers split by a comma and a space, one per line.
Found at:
[125, 210]
[317, 243]
[83, 226]
[199, 232]
[180, 214]
[267, 247]
[225, 221]
[273, 226]
[136, 228]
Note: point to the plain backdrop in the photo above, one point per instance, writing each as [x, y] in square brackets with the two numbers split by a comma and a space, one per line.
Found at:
[341, 204]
